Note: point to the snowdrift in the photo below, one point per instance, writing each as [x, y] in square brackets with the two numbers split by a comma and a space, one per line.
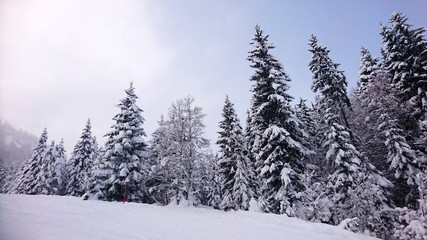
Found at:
[54, 217]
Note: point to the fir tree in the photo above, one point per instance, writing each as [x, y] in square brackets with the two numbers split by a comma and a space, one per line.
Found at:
[7, 176]
[26, 180]
[125, 154]
[81, 163]
[60, 172]
[350, 173]
[405, 58]
[305, 115]
[233, 162]
[368, 69]
[46, 174]
[159, 180]
[277, 148]
[329, 82]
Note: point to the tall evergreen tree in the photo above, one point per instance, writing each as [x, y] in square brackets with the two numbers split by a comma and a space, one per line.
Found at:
[26, 180]
[329, 82]
[368, 69]
[125, 154]
[305, 115]
[233, 162]
[60, 172]
[249, 138]
[45, 177]
[405, 58]
[349, 171]
[7, 176]
[81, 163]
[277, 148]
[159, 179]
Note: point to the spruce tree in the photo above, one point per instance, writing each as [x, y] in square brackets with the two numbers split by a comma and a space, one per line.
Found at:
[7, 176]
[329, 82]
[350, 174]
[233, 162]
[305, 115]
[158, 183]
[277, 139]
[405, 58]
[45, 177]
[26, 180]
[125, 154]
[60, 172]
[81, 163]
[368, 69]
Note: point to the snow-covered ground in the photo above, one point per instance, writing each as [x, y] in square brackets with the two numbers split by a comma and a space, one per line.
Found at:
[53, 217]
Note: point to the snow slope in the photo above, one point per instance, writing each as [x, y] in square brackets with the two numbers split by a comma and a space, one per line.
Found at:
[54, 217]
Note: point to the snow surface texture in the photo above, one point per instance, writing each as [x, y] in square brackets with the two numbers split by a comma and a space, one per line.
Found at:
[54, 217]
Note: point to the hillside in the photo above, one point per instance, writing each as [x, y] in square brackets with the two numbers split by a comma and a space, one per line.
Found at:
[16, 145]
[53, 217]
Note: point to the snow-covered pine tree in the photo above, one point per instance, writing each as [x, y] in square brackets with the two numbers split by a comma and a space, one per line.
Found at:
[81, 162]
[315, 205]
[227, 157]
[233, 162]
[26, 180]
[400, 156]
[159, 175]
[405, 58]
[204, 179]
[402, 161]
[214, 196]
[124, 157]
[329, 82]
[277, 145]
[306, 117]
[412, 224]
[59, 181]
[7, 176]
[45, 176]
[350, 173]
[372, 84]
[249, 138]
[368, 69]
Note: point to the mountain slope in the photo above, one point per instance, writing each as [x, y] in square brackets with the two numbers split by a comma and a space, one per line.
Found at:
[53, 217]
[16, 145]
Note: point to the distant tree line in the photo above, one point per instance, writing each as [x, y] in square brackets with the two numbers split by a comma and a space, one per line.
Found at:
[357, 160]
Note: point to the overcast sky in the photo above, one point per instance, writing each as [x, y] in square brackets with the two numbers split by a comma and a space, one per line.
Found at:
[62, 62]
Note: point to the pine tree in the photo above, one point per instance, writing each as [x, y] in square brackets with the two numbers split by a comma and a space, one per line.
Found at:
[249, 138]
[26, 180]
[400, 156]
[277, 148]
[233, 162]
[81, 163]
[125, 154]
[315, 203]
[45, 176]
[7, 176]
[158, 183]
[329, 82]
[405, 58]
[350, 173]
[60, 172]
[368, 69]
[305, 115]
